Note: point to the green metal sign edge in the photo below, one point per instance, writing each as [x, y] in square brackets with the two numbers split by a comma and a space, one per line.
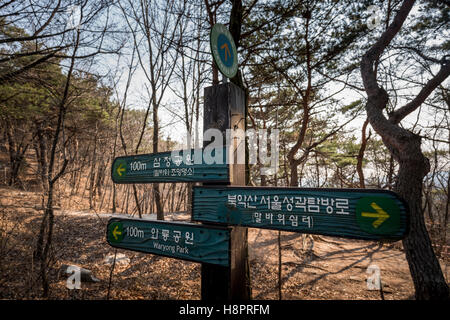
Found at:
[368, 191]
[226, 178]
[199, 226]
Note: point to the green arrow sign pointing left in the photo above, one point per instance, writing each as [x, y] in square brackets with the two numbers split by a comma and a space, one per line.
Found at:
[181, 240]
[185, 166]
[115, 232]
[119, 169]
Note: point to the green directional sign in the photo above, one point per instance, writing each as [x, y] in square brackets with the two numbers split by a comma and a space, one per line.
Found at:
[351, 213]
[224, 50]
[187, 241]
[177, 166]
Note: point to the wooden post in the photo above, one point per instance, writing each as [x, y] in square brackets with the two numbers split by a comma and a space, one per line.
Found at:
[224, 109]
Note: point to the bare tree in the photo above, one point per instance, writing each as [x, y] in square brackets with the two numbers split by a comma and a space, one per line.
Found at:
[405, 146]
[45, 33]
[46, 229]
[154, 26]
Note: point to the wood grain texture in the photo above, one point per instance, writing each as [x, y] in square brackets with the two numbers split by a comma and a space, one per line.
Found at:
[224, 110]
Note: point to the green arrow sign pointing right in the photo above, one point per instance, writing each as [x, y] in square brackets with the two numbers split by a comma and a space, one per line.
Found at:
[351, 213]
[377, 215]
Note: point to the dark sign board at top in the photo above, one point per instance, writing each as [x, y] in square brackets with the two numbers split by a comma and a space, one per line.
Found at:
[351, 213]
[191, 165]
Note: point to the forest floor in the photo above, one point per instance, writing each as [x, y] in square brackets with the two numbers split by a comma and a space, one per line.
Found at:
[313, 267]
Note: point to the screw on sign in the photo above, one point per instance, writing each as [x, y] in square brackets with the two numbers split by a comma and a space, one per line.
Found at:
[224, 50]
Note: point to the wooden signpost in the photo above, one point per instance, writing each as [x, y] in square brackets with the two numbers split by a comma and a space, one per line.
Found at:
[224, 110]
[225, 207]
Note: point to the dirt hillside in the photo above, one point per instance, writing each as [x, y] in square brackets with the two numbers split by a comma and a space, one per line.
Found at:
[313, 267]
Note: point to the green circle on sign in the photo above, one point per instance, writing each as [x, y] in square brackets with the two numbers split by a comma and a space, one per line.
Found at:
[119, 169]
[224, 50]
[115, 232]
[378, 215]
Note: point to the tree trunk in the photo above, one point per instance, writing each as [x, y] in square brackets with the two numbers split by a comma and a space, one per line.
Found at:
[156, 191]
[159, 209]
[92, 179]
[16, 156]
[360, 157]
[425, 269]
[391, 172]
[294, 173]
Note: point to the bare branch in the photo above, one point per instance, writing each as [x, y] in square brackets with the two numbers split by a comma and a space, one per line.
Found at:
[399, 114]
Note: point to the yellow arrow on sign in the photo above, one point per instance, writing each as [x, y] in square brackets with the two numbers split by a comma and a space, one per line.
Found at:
[120, 169]
[380, 214]
[116, 232]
